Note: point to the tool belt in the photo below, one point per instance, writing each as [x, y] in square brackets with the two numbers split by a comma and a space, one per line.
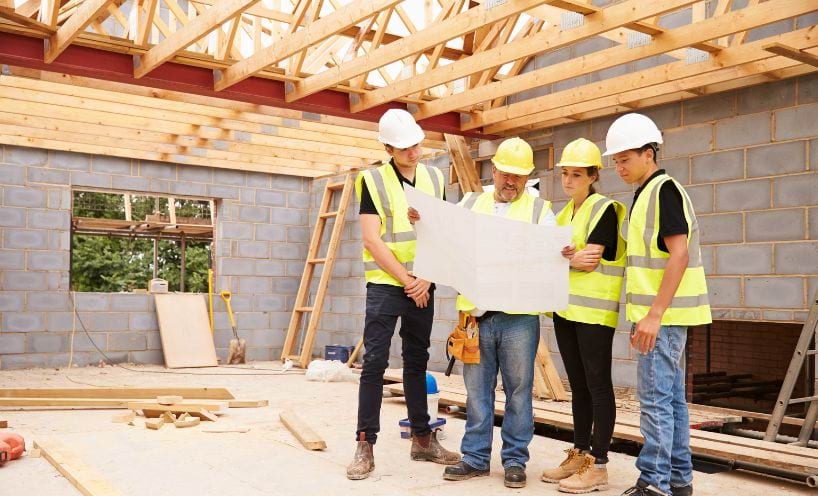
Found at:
[464, 342]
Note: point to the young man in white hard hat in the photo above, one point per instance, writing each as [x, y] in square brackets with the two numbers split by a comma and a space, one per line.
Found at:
[585, 329]
[508, 340]
[392, 291]
[666, 293]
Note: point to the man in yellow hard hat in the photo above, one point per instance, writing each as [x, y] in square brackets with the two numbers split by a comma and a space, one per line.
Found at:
[392, 291]
[508, 339]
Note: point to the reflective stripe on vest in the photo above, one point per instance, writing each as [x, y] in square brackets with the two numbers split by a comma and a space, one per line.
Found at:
[593, 297]
[646, 263]
[389, 199]
[526, 209]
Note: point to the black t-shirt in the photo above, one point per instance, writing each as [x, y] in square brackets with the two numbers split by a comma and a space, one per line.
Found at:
[368, 206]
[605, 234]
[671, 210]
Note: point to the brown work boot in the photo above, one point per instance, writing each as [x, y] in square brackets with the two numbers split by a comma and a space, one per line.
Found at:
[566, 469]
[426, 448]
[589, 477]
[364, 461]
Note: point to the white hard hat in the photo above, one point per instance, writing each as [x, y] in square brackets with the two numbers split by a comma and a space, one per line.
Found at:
[398, 128]
[629, 132]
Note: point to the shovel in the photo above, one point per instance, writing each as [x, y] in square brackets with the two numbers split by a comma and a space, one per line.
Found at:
[236, 349]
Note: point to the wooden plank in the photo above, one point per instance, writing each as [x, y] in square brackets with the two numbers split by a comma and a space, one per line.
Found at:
[4, 424]
[181, 407]
[354, 355]
[118, 393]
[792, 53]
[463, 164]
[7, 11]
[184, 328]
[291, 44]
[673, 39]
[68, 32]
[434, 35]
[87, 480]
[305, 435]
[549, 39]
[248, 403]
[190, 33]
[549, 372]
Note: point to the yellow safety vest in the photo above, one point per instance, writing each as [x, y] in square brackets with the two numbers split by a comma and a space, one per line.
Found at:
[593, 297]
[526, 209]
[646, 262]
[390, 201]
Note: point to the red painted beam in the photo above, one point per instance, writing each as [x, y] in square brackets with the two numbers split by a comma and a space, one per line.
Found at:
[77, 60]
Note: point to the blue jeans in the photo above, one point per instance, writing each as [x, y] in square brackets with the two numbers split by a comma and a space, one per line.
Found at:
[665, 459]
[508, 343]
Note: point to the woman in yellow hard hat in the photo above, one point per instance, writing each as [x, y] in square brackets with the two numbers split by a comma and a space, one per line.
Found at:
[585, 330]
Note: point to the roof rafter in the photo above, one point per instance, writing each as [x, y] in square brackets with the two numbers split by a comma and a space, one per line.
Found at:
[630, 88]
[432, 36]
[193, 31]
[84, 15]
[548, 39]
[349, 15]
[680, 37]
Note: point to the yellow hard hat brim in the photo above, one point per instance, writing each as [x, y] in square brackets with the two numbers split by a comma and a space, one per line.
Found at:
[511, 169]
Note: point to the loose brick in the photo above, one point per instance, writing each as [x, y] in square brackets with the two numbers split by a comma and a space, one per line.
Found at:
[721, 228]
[798, 190]
[774, 292]
[775, 225]
[776, 159]
[744, 259]
[715, 167]
[742, 195]
[796, 258]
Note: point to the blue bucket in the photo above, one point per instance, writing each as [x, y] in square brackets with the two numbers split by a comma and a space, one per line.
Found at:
[337, 352]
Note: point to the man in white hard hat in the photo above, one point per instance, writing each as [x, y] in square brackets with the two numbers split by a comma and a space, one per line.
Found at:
[508, 339]
[666, 293]
[392, 291]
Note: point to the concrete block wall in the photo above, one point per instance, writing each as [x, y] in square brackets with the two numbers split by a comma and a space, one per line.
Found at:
[261, 238]
[748, 159]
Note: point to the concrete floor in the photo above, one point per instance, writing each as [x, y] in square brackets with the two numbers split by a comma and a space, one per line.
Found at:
[268, 459]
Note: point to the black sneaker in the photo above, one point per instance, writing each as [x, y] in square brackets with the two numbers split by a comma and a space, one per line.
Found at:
[515, 476]
[642, 488]
[682, 491]
[462, 471]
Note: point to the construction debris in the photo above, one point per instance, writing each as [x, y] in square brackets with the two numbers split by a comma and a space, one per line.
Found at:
[169, 400]
[302, 431]
[123, 418]
[155, 423]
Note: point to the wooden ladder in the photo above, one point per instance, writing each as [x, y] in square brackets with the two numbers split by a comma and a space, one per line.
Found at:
[302, 300]
[809, 334]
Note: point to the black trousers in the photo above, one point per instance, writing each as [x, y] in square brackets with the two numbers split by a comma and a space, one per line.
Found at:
[384, 304]
[586, 354]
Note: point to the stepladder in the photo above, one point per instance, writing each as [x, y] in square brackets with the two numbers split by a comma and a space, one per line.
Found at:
[321, 256]
[801, 357]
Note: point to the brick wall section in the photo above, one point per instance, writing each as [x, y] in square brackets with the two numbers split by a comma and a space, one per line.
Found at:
[261, 238]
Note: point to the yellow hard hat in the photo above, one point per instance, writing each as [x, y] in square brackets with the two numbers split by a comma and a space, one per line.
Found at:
[581, 153]
[514, 156]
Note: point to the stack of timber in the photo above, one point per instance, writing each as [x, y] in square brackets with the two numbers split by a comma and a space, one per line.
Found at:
[711, 444]
[115, 398]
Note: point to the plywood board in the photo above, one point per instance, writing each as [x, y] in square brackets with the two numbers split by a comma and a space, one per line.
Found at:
[185, 331]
